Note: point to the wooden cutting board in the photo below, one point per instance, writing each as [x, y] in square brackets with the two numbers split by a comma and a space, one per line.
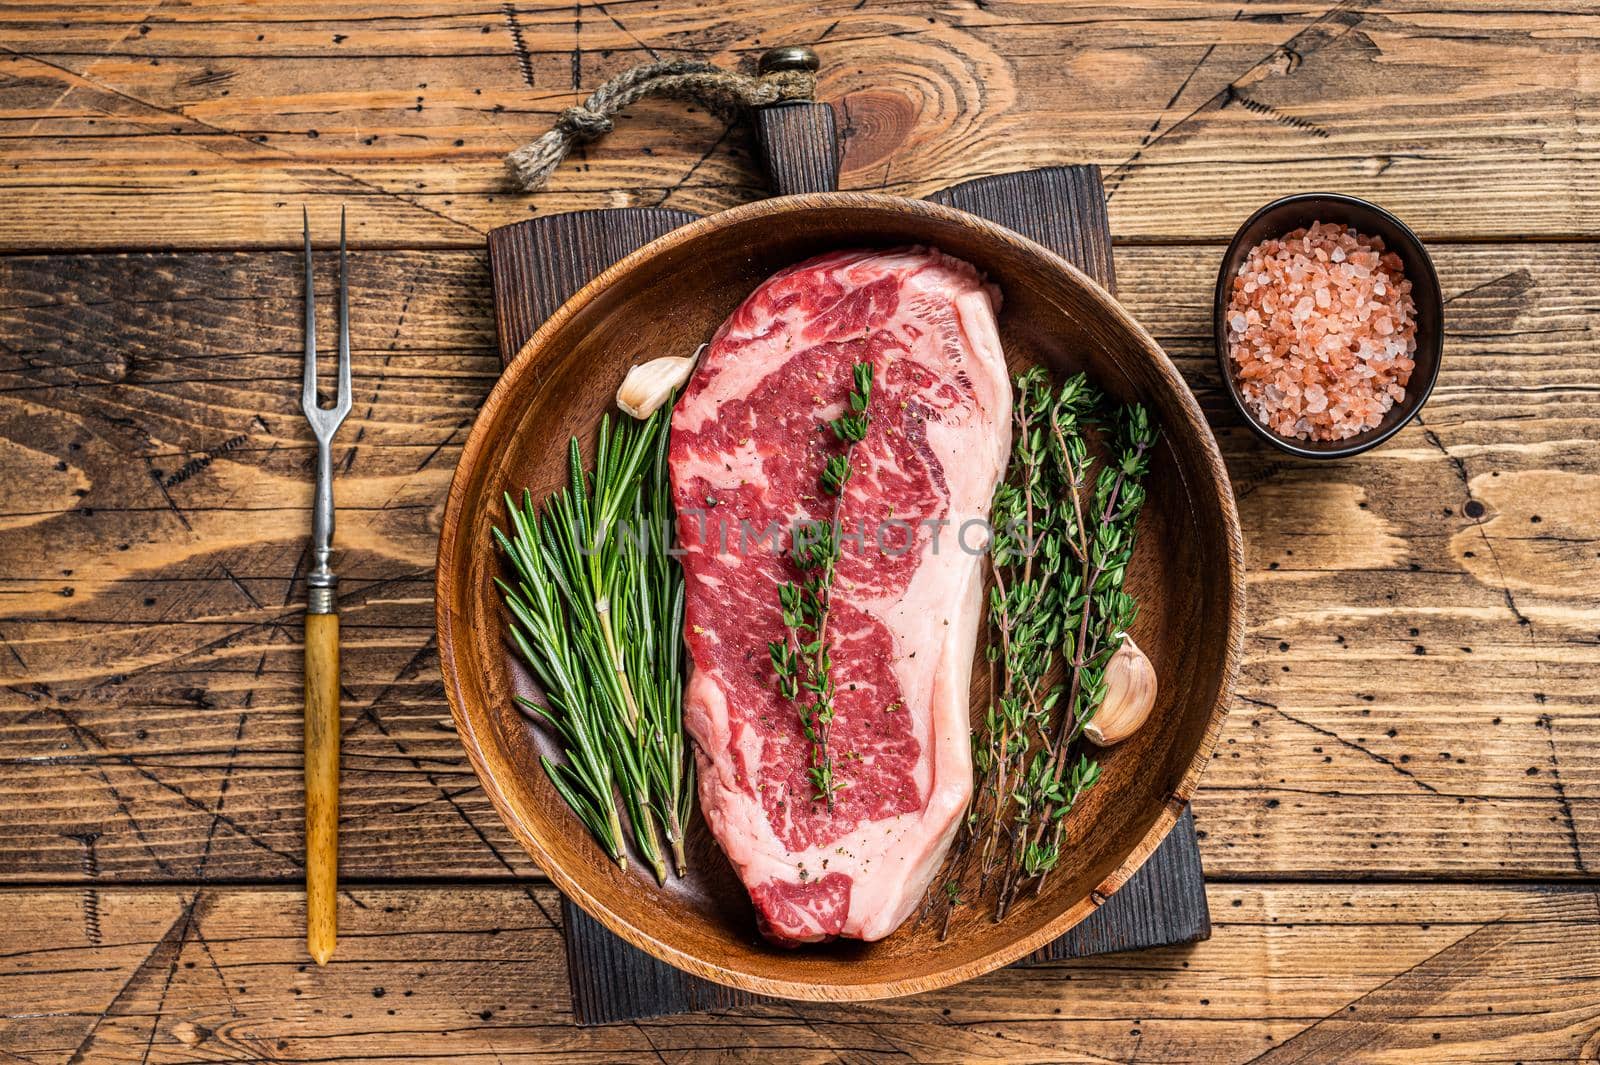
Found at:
[537, 264]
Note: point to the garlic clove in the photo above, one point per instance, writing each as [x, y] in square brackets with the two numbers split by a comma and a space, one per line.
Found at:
[650, 384]
[1130, 696]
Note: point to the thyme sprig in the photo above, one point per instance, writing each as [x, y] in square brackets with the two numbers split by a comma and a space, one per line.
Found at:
[1024, 560]
[1099, 534]
[1063, 535]
[596, 606]
[801, 659]
[1098, 616]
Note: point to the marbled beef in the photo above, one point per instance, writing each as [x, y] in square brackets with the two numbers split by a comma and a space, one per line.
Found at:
[748, 447]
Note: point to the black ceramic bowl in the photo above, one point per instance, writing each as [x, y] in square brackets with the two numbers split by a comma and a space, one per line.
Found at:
[1293, 212]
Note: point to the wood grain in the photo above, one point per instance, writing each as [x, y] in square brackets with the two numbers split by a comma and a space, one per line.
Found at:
[322, 785]
[151, 723]
[132, 125]
[1419, 697]
[1294, 973]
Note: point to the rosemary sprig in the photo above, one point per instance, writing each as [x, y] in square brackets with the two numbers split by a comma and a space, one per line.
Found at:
[653, 615]
[801, 659]
[596, 605]
[571, 708]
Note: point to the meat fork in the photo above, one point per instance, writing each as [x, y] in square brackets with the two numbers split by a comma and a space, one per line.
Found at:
[322, 631]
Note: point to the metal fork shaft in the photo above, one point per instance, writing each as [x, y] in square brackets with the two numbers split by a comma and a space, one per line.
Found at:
[321, 583]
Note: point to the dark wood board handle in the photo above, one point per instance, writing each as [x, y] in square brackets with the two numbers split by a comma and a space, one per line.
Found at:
[1061, 207]
[799, 147]
[537, 264]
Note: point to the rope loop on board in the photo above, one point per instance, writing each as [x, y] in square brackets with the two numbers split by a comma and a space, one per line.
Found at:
[783, 75]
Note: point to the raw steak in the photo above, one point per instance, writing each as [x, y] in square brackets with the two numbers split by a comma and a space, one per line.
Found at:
[748, 446]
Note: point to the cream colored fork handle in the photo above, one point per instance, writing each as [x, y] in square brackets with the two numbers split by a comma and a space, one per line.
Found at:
[322, 784]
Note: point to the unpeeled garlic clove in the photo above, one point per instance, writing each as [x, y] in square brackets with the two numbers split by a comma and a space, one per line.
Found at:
[1130, 696]
[650, 384]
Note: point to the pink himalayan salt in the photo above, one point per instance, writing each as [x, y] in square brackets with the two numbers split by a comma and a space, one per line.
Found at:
[1321, 332]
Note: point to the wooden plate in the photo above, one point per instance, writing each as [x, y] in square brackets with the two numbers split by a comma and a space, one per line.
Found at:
[669, 297]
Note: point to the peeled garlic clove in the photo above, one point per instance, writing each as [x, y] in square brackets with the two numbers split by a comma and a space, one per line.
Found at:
[1130, 696]
[650, 384]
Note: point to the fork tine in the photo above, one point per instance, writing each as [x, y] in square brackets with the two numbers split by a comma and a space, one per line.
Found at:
[343, 402]
[308, 388]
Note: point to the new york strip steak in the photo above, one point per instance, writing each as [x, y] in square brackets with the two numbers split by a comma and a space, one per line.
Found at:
[749, 442]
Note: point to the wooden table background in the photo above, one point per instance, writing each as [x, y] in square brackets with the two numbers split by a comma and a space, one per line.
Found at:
[1402, 822]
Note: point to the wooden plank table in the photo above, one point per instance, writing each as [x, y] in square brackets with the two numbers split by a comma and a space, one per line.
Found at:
[1402, 824]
